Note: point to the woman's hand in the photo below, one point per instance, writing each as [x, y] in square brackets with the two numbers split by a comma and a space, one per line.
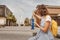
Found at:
[34, 14]
[37, 24]
[37, 16]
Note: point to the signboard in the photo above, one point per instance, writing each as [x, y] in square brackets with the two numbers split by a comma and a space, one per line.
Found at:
[32, 24]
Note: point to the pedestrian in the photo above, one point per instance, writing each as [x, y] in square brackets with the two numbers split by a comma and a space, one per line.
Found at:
[45, 25]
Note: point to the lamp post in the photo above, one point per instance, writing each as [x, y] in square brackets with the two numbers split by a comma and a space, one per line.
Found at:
[21, 21]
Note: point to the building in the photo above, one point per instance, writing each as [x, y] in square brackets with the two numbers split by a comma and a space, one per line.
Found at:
[7, 13]
[54, 12]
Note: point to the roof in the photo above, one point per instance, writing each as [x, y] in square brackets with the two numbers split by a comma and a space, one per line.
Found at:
[53, 9]
[52, 6]
[2, 6]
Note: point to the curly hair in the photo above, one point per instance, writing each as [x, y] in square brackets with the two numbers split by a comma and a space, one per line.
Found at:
[43, 10]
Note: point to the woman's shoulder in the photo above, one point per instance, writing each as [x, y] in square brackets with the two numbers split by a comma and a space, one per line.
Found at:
[48, 16]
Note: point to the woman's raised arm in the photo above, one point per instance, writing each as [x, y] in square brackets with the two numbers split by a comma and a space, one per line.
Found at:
[35, 15]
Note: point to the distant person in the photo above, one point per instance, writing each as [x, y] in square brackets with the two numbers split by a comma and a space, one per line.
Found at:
[45, 25]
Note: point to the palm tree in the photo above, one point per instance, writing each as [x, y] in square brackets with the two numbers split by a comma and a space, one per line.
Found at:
[11, 19]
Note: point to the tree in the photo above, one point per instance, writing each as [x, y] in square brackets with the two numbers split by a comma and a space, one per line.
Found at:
[26, 22]
[11, 19]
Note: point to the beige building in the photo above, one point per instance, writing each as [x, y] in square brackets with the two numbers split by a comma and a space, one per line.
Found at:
[6, 13]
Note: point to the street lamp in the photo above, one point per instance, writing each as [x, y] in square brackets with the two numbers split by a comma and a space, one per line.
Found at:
[20, 20]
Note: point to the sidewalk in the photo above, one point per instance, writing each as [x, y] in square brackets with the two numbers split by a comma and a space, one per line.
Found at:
[18, 30]
[21, 29]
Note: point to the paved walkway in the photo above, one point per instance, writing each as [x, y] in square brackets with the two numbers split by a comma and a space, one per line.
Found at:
[18, 33]
[19, 30]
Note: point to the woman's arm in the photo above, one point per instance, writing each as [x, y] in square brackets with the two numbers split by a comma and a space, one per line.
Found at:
[45, 28]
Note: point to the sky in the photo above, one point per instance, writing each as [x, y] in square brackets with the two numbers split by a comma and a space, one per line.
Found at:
[24, 8]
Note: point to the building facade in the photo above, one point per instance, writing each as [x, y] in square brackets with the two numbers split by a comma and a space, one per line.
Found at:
[7, 13]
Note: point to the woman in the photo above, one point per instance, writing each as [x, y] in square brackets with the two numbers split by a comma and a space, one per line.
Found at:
[45, 25]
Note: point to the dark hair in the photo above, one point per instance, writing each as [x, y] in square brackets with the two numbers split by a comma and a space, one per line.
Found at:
[44, 10]
[37, 11]
[38, 7]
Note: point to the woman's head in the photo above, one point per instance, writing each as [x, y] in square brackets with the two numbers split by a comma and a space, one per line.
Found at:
[42, 9]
